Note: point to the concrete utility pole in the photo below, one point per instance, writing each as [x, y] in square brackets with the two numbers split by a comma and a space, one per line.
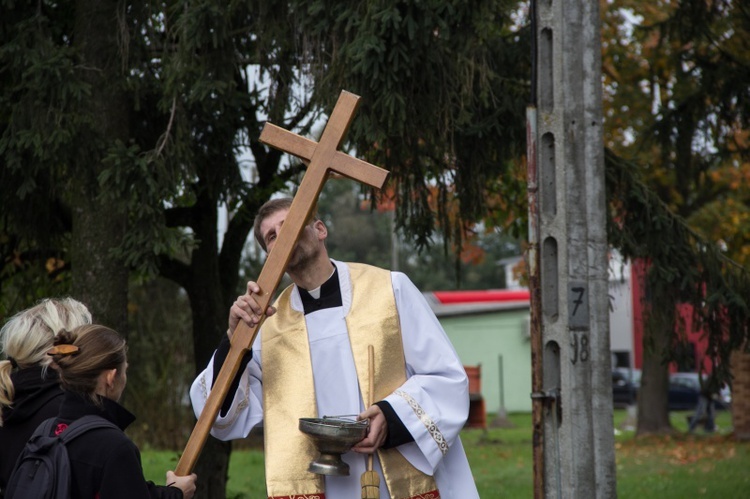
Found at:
[573, 430]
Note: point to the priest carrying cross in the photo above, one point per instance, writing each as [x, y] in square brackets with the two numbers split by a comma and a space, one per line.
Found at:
[314, 348]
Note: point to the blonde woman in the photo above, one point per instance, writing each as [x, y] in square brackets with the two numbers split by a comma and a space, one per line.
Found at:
[29, 387]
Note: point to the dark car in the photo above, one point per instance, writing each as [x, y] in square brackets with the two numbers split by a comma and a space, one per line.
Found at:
[684, 389]
[625, 383]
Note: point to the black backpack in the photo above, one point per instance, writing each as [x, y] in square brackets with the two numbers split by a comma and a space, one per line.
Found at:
[42, 471]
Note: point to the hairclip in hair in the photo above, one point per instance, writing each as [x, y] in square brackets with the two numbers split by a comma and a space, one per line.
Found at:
[63, 350]
[13, 362]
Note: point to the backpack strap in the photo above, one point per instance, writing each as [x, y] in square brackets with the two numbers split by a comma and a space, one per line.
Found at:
[81, 426]
[44, 429]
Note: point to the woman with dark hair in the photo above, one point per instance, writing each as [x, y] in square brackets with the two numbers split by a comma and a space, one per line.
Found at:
[104, 462]
[29, 389]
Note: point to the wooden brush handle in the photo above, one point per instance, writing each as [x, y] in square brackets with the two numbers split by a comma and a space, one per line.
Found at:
[371, 390]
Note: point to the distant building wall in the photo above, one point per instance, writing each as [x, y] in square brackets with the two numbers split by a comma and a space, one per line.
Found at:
[621, 314]
[484, 339]
[698, 342]
[489, 325]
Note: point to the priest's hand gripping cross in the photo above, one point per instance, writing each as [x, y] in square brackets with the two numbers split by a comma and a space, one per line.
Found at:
[322, 157]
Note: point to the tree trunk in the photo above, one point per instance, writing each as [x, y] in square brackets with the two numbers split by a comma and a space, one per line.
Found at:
[741, 395]
[653, 394]
[213, 465]
[210, 308]
[653, 416]
[98, 279]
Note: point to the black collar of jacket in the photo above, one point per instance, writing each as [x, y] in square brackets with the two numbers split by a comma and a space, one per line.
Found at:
[75, 406]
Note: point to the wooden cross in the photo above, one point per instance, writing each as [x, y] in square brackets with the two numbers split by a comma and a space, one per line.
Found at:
[322, 158]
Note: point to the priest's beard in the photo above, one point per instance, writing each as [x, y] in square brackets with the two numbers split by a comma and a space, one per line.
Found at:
[302, 258]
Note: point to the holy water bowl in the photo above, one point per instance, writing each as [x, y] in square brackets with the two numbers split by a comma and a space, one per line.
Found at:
[332, 437]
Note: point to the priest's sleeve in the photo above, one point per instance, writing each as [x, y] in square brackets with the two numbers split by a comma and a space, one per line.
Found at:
[433, 403]
[243, 407]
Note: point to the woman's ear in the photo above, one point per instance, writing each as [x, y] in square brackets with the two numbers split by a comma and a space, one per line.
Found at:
[106, 382]
[109, 377]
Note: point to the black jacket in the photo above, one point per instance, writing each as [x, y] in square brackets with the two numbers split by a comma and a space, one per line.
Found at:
[36, 398]
[105, 463]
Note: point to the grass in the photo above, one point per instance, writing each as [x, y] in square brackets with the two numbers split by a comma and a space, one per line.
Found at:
[658, 467]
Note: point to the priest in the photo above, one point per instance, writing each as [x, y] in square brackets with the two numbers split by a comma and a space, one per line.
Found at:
[311, 360]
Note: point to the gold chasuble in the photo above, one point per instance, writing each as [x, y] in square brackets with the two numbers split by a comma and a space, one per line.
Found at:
[288, 389]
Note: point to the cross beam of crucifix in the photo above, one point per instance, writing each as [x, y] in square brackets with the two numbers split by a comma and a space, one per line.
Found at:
[322, 157]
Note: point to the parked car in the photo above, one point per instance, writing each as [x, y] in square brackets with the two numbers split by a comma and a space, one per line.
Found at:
[684, 390]
[625, 383]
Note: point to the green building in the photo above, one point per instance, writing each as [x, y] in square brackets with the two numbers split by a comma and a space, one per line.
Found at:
[490, 329]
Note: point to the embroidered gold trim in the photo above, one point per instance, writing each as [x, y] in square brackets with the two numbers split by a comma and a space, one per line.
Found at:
[429, 495]
[300, 496]
[204, 389]
[426, 420]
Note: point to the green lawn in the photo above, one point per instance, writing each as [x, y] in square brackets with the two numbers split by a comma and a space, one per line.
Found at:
[678, 466]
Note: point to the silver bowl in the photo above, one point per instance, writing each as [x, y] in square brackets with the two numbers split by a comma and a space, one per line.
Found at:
[332, 437]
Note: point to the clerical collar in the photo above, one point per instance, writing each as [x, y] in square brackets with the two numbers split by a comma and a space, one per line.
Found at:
[330, 295]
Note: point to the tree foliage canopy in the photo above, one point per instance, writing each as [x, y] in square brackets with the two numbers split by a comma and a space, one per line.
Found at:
[677, 105]
[444, 94]
[678, 102]
[154, 124]
[444, 86]
[683, 268]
